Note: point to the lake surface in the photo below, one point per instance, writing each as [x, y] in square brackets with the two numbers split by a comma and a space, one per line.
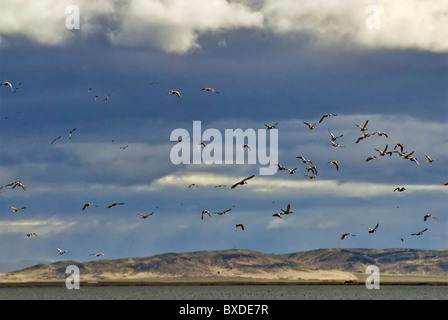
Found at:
[229, 292]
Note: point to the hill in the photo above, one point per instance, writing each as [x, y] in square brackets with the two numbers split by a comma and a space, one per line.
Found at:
[321, 265]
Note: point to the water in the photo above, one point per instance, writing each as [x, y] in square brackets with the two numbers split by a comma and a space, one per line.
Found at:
[229, 292]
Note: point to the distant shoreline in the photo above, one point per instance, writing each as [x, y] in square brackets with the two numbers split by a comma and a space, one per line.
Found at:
[385, 280]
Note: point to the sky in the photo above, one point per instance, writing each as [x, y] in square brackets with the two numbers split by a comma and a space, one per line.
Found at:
[102, 70]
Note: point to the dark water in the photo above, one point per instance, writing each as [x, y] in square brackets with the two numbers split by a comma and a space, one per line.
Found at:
[226, 292]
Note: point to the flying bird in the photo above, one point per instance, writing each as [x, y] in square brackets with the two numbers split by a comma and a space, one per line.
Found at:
[55, 139]
[336, 163]
[88, 204]
[278, 215]
[364, 136]
[16, 184]
[371, 158]
[242, 182]
[288, 210]
[115, 204]
[292, 171]
[205, 212]
[144, 216]
[400, 189]
[18, 87]
[419, 233]
[220, 213]
[344, 235]
[175, 92]
[445, 183]
[304, 160]
[429, 159]
[209, 90]
[380, 133]
[124, 147]
[61, 252]
[246, 146]
[427, 216]
[364, 127]
[384, 151]
[31, 234]
[193, 185]
[239, 225]
[310, 126]
[326, 116]
[271, 126]
[334, 137]
[97, 254]
[14, 209]
[71, 133]
[335, 144]
[372, 230]
[7, 83]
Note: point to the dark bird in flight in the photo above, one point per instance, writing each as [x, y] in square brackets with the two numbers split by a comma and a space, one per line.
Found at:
[427, 216]
[384, 151]
[31, 234]
[71, 133]
[61, 252]
[124, 147]
[364, 127]
[271, 126]
[115, 204]
[144, 216]
[326, 115]
[278, 215]
[15, 184]
[400, 189]
[333, 136]
[222, 212]
[310, 126]
[336, 164]
[445, 183]
[209, 90]
[335, 144]
[288, 210]
[371, 158]
[14, 209]
[55, 139]
[88, 204]
[193, 185]
[380, 133]
[364, 136]
[7, 83]
[344, 235]
[239, 225]
[242, 182]
[372, 230]
[419, 233]
[177, 93]
[18, 87]
[97, 254]
[304, 160]
[429, 159]
[205, 212]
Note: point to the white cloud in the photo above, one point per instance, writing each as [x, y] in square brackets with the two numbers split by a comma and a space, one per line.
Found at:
[176, 25]
[286, 187]
[40, 226]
